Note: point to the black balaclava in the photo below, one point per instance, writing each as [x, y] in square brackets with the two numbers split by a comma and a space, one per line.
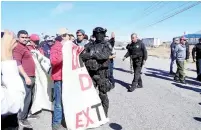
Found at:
[99, 34]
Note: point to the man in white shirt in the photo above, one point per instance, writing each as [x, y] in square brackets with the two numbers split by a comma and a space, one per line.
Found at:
[12, 89]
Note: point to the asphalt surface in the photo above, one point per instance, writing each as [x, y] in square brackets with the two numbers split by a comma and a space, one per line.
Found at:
[161, 104]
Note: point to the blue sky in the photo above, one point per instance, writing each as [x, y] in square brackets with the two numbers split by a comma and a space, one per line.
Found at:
[123, 18]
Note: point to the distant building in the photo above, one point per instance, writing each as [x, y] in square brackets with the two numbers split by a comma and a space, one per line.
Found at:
[151, 42]
[192, 38]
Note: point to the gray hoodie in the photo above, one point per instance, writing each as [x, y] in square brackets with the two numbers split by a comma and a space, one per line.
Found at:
[180, 52]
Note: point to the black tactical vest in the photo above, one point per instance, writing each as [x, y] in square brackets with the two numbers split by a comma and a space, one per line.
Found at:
[135, 49]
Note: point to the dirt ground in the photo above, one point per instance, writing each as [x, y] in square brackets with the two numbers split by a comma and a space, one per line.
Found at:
[164, 52]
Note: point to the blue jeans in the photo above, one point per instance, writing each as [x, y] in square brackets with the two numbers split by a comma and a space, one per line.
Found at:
[111, 67]
[172, 64]
[58, 111]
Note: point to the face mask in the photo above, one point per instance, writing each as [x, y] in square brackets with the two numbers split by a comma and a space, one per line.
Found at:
[100, 36]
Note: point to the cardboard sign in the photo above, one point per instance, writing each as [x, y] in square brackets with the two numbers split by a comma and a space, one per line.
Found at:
[81, 103]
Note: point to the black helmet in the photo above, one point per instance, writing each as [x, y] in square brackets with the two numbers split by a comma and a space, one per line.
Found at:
[199, 39]
[99, 30]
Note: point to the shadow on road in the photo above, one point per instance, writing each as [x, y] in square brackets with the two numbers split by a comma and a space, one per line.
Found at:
[123, 70]
[187, 87]
[124, 84]
[197, 119]
[115, 126]
[191, 70]
[157, 73]
[27, 129]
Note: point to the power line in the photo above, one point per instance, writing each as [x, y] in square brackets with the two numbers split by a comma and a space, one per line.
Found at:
[171, 10]
[178, 12]
[146, 14]
[158, 7]
[151, 6]
[168, 12]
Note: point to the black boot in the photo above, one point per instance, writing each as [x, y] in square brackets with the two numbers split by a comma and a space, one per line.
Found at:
[133, 87]
[113, 86]
[183, 81]
[139, 86]
[176, 79]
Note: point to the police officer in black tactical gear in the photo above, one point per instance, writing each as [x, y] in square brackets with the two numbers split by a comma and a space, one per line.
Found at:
[196, 54]
[138, 53]
[96, 58]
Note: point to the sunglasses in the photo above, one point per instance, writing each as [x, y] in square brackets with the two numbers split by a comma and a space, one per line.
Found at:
[79, 35]
[49, 40]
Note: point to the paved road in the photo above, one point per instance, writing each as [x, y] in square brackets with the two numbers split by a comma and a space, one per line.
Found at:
[160, 105]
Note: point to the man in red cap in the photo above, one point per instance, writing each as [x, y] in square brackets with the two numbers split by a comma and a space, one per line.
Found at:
[34, 43]
[180, 55]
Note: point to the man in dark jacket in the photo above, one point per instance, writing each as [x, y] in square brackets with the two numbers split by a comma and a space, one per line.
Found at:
[196, 54]
[113, 55]
[172, 46]
[46, 46]
[138, 52]
[187, 55]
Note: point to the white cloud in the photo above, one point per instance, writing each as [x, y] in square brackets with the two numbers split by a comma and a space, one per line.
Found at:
[61, 8]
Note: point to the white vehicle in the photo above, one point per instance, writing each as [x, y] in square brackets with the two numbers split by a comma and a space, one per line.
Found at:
[152, 42]
[119, 47]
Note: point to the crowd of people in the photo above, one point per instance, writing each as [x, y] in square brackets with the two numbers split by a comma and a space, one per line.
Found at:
[180, 52]
[18, 63]
[18, 68]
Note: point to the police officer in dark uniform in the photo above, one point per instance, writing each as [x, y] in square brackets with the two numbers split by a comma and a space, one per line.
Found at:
[196, 54]
[138, 53]
[96, 58]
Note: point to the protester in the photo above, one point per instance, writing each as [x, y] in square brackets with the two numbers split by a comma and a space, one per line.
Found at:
[138, 53]
[34, 43]
[92, 38]
[26, 67]
[196, 54]
[172, 46]
[72, 37]
[113, 55]
[56, 59]
[187, 55]
[86, 37]
[47, 46]
[180, 55]
[187, 50]
[12, 93]
[80, 41]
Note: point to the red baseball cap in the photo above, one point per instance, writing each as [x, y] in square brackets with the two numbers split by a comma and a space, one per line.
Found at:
[183, 38]
[34, 37]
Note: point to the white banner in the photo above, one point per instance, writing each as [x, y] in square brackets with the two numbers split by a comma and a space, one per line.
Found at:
[82, 105]
[43, 84]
